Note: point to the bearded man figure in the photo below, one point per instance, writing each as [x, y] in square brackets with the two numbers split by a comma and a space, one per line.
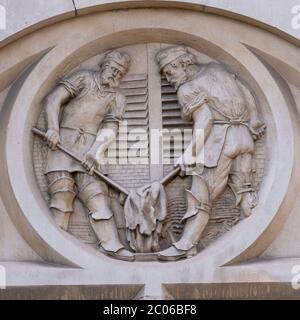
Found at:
[224, 109]
[83, 114]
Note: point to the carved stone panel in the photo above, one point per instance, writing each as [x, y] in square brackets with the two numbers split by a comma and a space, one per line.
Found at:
[175, 137]
[151, 104]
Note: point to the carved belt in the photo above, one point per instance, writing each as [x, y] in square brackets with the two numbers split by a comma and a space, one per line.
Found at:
[232, 122]
[80, 133]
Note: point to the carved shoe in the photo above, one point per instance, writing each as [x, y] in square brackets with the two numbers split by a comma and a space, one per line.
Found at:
[121, 254]
[171, 254]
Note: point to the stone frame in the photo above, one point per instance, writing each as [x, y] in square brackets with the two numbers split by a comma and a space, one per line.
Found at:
[57, 247]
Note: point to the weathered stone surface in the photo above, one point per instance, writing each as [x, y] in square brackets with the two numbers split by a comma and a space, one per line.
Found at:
[22, 19]
[230, 253]
[104, 292]
[243, 8]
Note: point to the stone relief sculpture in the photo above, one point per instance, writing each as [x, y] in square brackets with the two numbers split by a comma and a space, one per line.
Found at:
[218, 103]
[84, 106]
[83, 114]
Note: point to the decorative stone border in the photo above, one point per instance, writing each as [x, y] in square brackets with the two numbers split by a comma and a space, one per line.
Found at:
[244, 241]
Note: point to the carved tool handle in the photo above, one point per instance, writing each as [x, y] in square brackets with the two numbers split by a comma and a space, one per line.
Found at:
[165, 180]
[170, 176]
[110, 182]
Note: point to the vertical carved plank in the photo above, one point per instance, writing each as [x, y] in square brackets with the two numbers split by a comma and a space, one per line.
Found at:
[155, 110]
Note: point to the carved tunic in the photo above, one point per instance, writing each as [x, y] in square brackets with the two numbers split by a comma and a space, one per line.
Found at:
[91, 105]
[218, 97]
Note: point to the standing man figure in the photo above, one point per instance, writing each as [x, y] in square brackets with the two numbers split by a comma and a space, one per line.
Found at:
[83, 114]
[220, 105]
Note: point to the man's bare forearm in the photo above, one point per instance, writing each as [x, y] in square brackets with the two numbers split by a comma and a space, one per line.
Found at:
[106, 136]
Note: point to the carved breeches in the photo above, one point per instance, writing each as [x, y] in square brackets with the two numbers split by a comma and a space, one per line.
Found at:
[237, 173]
[234, 165]
[93, 193]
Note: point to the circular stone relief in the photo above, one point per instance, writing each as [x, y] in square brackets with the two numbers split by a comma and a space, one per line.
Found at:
[159, 220]
[157, 98]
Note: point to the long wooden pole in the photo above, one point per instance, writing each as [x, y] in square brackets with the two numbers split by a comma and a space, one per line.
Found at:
[165, 180]
[103, 177]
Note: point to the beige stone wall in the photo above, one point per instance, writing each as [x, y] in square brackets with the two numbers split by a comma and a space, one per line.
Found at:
[56, 37]
[22, 19]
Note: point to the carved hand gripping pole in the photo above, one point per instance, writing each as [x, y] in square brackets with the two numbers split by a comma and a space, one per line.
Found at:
[110, 182]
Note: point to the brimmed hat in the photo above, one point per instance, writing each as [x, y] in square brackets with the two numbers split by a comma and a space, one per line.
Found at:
[122, 59]
[170, 54]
